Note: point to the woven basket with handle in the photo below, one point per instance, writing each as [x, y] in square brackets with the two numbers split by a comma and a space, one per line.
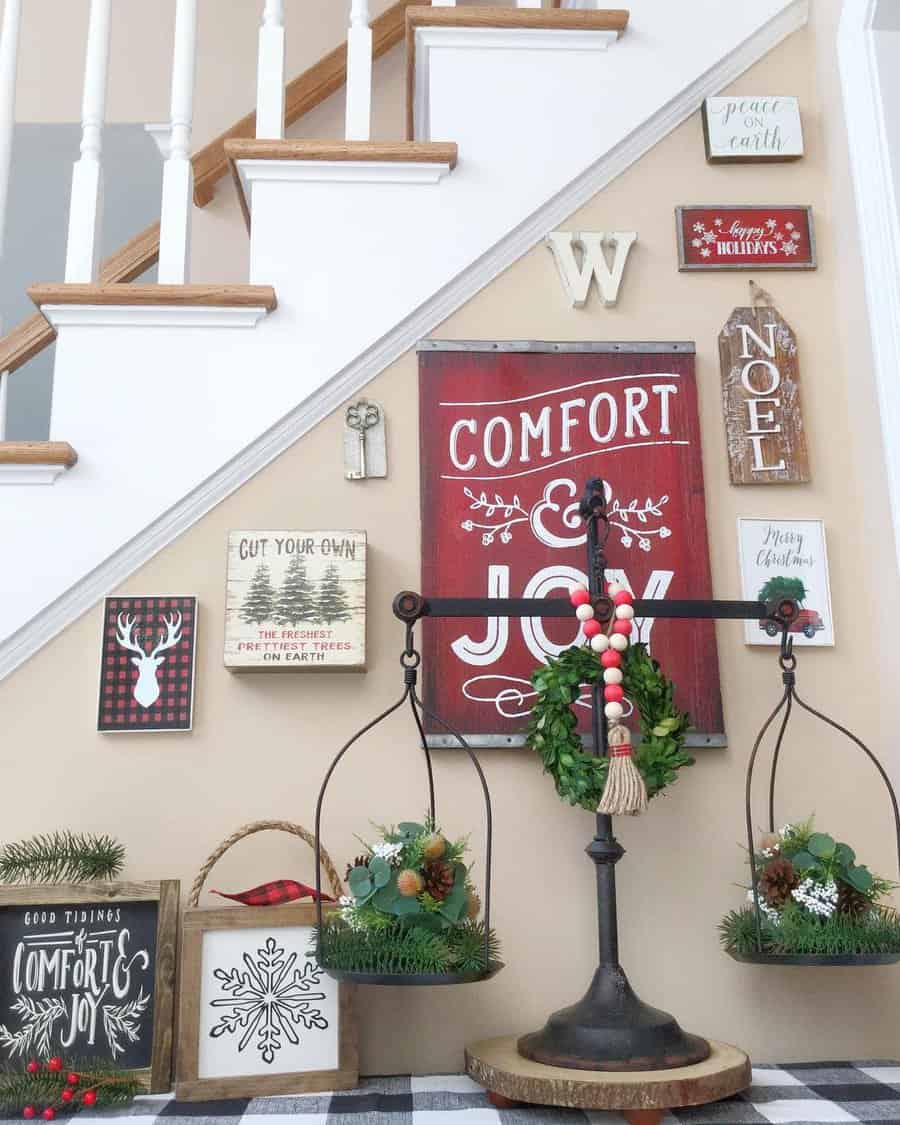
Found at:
[337, 888]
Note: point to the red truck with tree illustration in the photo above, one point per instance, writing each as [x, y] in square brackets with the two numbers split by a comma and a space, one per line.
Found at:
[808, 622]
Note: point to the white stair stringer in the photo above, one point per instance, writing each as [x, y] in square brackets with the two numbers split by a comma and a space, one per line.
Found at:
[170, 416]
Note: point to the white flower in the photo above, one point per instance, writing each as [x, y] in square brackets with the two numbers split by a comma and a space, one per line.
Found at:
[390, 852]
[699, 228]
[817, 898]
[664, 533]
[467, 525]
[345, 900]
[767, 911]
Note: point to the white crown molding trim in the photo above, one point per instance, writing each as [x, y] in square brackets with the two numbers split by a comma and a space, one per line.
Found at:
[339, 172]
[879, 222]
[22, 644]
[30, 474]
[492, 39]
[154, 316]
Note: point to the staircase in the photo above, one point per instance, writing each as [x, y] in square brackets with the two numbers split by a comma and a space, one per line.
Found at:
[516, 117]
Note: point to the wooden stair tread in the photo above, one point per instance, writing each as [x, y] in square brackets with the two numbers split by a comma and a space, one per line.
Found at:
[412, 152]
[37, 453]
[220, 296]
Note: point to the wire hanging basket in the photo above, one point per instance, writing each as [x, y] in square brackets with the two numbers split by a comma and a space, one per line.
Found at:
[763, 954]
[407, 607]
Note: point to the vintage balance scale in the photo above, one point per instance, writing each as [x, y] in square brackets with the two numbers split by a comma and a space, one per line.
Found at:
[610, 1050]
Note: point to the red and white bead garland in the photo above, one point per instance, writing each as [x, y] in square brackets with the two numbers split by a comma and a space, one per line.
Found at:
[610, 647]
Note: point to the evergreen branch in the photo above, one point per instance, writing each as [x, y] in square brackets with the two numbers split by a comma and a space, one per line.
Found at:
[38, 1018]
[123, 1019]
[61, 857]
[112, 1087]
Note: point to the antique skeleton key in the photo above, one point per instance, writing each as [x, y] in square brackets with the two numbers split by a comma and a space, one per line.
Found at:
[362, 417]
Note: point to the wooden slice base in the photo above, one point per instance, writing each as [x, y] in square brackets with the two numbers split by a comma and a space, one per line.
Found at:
[642, 1097]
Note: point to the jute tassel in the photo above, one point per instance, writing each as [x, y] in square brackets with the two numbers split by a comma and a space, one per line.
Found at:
[625, 793]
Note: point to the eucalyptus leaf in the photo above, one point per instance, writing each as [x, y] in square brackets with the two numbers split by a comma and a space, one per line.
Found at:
[860, 878]
[821, 845]
[403, 906]
[845, 855]
[410, 829]
[385, 897]
[359, 882]
[380, 871]
[803, 861]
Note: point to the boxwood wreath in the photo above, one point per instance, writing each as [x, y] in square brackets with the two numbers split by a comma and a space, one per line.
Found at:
[580, 778]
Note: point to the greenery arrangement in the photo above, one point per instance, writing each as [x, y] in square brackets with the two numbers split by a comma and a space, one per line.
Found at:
[61, 857]
[412, 909]
[814, 899]
[552, 732]
[53, 1087]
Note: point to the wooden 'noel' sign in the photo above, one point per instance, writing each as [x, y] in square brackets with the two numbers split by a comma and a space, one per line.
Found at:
[761, 399]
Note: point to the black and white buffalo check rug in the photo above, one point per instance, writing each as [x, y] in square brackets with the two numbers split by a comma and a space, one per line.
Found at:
[802, 1094]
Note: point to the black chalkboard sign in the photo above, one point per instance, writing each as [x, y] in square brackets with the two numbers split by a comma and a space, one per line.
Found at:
[80, 973]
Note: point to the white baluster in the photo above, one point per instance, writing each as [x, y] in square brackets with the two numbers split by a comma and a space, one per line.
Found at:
[270, 75]
[529, 4]
[9, 54]
[178, 174]
[359, 73]
[443, 3]
[85, 208]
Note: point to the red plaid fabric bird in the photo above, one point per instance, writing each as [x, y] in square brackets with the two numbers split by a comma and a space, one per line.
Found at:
[275, 893]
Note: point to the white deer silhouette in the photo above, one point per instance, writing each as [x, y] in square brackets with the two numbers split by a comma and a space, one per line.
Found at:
[146, 690]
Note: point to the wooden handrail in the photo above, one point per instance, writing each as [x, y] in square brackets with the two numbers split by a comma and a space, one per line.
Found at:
[210, 165]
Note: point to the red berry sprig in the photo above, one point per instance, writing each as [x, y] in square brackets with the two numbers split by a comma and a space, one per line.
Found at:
[49, 1113]
[89, 1097]
[609, 647]
[29, 1112]
[55, 1064]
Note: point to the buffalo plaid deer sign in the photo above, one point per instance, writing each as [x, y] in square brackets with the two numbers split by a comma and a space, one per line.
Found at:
[147, 664]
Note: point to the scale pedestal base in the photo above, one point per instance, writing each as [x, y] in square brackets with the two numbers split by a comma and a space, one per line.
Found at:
[642, 1097]
[611, 1028]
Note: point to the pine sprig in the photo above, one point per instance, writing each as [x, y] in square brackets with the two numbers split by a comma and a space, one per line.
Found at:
[580, 778]
[61, 857]
[112, 1088]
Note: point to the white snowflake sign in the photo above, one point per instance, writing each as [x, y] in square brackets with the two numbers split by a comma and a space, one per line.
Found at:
[259, 1016]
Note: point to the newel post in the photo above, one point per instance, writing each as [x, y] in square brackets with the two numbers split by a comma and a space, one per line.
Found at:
[359, 73]
[9, 54]
[85, 208]
[178, 174]
[270, 74]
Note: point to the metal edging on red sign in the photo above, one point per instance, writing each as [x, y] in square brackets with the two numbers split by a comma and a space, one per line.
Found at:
[809, 263]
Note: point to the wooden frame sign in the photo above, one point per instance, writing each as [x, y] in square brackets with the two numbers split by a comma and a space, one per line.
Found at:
[509, 434]
[296, 601]
[257, 1015]
[726, 237]
[87, 972]
[752, 129]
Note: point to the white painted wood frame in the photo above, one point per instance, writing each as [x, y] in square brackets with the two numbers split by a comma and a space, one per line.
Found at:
[359, 73]
[879, 221]
[178, 174]
[85, 209]
[270, 73]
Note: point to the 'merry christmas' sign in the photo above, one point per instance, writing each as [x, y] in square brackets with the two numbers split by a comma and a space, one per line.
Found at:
[296, 600]
[733, 238]
[509, 435]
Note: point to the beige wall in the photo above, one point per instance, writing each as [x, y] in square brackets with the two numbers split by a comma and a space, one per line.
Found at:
[261, 743]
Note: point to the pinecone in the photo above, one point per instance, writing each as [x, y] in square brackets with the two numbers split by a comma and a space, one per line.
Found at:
[360, 861]
[777, 880]
[851, 901]
[439, 879]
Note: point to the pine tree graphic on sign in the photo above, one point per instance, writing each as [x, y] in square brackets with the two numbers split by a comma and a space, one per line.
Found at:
[332, 604]
[296, 600]
[259, 604]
